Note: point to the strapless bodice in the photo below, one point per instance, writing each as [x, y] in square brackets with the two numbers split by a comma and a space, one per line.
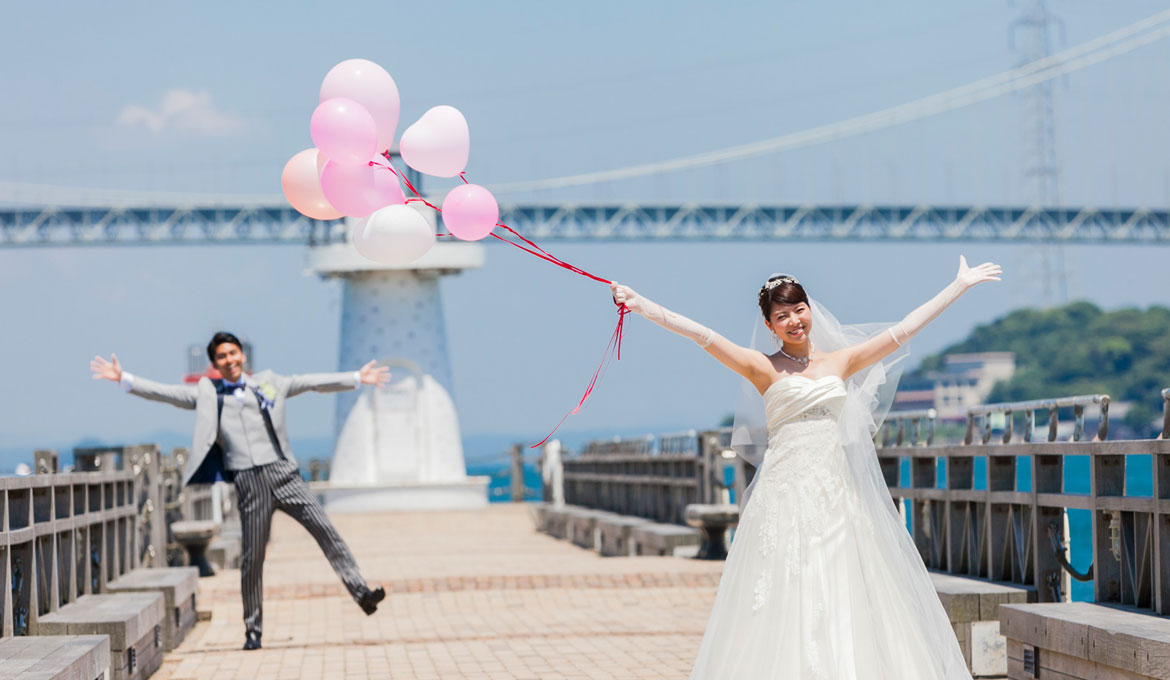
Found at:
[795, 398]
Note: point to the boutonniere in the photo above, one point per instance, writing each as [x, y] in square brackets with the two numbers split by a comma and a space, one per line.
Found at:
[269, 393]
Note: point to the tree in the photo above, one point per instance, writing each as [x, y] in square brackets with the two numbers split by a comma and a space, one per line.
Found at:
[1079, 349]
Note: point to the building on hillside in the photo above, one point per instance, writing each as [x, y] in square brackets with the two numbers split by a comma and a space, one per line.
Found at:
[964, 381]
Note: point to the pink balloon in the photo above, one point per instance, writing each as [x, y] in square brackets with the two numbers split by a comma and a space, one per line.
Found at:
[387, 188]
[358, 190]
[371, 86]
[470, 212]
[344, 131]
[347, 187]
[394, 235]
[438, 143]
[302, 187]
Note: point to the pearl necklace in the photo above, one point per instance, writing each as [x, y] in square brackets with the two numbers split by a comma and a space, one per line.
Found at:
[803, 361]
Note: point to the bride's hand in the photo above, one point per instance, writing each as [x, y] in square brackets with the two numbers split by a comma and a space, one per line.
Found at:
[969, 276]
[624, 295]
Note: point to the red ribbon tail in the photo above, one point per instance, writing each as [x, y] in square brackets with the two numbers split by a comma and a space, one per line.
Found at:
[615, 343]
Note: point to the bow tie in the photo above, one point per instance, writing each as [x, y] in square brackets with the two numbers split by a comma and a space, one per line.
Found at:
[226, 387]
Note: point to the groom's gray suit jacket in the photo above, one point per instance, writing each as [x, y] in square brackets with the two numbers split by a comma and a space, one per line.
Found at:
[203, 399]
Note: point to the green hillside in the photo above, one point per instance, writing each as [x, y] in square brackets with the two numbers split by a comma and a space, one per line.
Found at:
[1079, 349]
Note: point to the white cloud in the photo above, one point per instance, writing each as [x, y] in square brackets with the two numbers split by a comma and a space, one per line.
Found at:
[182, 111]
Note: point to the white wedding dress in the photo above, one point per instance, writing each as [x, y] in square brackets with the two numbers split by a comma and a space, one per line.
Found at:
[816, 584]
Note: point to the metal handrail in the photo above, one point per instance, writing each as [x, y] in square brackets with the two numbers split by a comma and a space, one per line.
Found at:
[678, 443]
[1030, 408]
[897, 420]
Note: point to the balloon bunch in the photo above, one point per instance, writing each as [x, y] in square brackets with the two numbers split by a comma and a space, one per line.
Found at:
[348, 173]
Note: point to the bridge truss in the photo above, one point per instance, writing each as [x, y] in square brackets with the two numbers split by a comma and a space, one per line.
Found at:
[251, 224]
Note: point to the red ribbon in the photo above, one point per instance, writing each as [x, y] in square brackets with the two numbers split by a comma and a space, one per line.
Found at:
[615, 340]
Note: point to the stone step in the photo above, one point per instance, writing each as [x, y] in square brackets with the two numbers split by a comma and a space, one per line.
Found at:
[972, 605]
[582, 527]
[556, 521]
[663, 539]
[133, 622]
[615, 534]
[54, 657]
[1085, 640]
[180, 587]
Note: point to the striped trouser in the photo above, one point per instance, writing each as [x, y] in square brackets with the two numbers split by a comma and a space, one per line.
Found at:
[279, 485]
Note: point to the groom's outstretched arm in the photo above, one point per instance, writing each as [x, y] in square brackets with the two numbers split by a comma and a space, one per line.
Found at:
[182, 396]
[370, 374]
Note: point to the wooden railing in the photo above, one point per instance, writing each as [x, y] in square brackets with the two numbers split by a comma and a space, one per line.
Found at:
[1018, 535]
[63, 536]
[68, 534]
[648, 477]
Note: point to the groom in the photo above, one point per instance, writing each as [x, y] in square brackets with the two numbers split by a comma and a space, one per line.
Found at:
[240, 436]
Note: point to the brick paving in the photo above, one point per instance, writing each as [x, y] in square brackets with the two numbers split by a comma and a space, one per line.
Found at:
[471, 595]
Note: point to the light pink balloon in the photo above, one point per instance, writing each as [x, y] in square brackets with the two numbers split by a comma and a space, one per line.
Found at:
[394, 235]
[438, 143]
[358, 190]
[371, 86]
[470, 212]
[302, 187]
[344, 131]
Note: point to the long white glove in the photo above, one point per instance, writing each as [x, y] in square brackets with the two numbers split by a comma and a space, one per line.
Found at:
[676, 323]
[964, 281]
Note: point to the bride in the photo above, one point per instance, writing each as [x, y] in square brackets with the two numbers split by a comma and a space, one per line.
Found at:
[822, 579]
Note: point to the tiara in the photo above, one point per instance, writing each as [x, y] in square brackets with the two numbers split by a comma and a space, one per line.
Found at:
[780, 280]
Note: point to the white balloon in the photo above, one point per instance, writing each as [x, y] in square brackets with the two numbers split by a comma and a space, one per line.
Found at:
[394, 235]
[357, 228]
[438, 143]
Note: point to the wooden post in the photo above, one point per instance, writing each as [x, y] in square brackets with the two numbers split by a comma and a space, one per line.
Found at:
[960, 517]
[517, 473]
[1108, 479]
[1047, 478]
[923, 475]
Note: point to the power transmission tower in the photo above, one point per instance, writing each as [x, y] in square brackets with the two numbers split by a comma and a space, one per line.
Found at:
[1032, 39]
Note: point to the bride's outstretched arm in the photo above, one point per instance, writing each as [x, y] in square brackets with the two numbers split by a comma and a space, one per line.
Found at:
[881, 345]
[749, 363]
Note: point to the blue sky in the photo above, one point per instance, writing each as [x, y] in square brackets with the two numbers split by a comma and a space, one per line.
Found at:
[214, 98]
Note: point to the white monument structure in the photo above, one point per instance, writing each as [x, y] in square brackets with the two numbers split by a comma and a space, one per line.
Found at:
[397, 447]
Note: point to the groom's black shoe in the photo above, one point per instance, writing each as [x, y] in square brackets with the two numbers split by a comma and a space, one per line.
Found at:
[369, 601]
[252, 641]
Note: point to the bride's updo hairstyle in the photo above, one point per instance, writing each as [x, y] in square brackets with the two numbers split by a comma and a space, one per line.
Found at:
[781, 289]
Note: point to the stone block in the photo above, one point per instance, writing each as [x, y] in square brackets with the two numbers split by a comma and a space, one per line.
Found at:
[179, 586]
[55, 657]
[582, 528]
[556, 521]
[615, 534]
[662, 539]
[1084, 639]
[132, 621]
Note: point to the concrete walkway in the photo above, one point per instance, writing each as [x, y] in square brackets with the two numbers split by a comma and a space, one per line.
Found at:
[471, 595]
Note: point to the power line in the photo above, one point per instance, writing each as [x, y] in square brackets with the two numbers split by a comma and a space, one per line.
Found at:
[1121, 41]
[1116, 43]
